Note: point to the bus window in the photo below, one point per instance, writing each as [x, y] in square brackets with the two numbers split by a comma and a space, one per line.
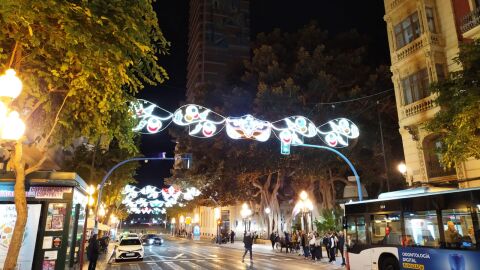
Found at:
[362, 236]
[458, 229]
[351, 230]
[386, 229]
[421, 229]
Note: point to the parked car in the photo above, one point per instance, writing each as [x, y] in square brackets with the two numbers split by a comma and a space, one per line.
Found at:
[129, 248]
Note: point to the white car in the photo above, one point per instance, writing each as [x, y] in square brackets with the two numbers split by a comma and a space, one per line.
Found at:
[129, 248]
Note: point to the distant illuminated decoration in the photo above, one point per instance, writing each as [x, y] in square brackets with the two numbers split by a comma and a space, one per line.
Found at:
[204, 123]
[147, 200]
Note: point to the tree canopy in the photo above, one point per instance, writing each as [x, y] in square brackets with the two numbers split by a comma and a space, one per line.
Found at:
[458, 122]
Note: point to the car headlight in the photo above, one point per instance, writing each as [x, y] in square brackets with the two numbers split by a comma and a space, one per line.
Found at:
[150, 241]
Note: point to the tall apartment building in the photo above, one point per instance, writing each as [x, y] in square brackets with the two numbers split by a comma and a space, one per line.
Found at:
[218, 37]
[424, 37]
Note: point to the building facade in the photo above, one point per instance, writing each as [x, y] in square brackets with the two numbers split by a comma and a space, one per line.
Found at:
[218, 37]
[424, 38]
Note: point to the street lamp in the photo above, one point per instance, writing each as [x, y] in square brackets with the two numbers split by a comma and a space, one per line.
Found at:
[402, 168]
[306, 206]
[11, 126]
[90, 203]
[268, 211]
[217, 217]
[245, 213]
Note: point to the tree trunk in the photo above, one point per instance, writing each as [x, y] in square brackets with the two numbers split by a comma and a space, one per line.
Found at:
[21, 208]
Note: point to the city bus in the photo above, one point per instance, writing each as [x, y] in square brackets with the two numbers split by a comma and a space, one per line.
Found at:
[421, 228]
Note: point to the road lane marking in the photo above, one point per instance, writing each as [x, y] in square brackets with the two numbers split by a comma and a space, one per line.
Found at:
[178, 256]
[174, 266]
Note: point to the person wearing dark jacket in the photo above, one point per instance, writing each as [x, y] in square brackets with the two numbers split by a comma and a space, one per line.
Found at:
[248, 242]
[93, 252]
[341, 245]
[272, 239]
[232, 236]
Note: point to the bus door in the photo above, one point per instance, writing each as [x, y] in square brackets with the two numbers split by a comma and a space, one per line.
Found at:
[359, 253]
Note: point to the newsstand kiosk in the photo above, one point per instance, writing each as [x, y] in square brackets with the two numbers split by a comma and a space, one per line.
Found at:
[56, 215]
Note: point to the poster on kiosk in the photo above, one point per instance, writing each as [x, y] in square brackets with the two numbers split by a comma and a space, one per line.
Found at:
[8, 216]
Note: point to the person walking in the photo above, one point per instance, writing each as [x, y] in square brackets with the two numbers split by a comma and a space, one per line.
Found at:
[341, 245]
[232, 236]
[93, 250]
[248, 242]
[272, 239]
[304, 240]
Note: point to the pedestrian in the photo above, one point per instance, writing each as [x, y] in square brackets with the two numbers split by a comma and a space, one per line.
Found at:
[232, 236]
[311, 243]
[304, 243]
[272, 239]
[331, 247]
[318, 247]
[287, 242]
[248, 242]
[341, 245]
[93, 252]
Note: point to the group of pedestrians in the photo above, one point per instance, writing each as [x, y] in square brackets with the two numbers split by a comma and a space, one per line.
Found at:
[311, 245]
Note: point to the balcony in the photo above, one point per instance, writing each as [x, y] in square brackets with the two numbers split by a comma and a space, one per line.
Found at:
[470, 21]
[417, 44]
[418, 106]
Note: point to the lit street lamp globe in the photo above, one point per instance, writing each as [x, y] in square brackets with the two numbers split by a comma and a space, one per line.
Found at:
[303, 195]
[267, 210]
[10, 84]
[402, 168]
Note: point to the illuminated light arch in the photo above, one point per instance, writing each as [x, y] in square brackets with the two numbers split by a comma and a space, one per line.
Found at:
[204, 123]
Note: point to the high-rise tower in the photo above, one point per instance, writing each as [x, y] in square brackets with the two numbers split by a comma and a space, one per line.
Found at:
[218, 37]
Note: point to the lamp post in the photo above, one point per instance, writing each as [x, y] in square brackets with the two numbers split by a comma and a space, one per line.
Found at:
[90, 203]
[172, 226]
[306, 206]
[268, 211]
[245, 213]
[218, 221]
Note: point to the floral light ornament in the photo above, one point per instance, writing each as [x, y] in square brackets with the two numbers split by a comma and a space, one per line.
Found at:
[204, 123]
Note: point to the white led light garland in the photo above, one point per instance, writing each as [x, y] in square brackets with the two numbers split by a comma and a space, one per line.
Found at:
[204, 123]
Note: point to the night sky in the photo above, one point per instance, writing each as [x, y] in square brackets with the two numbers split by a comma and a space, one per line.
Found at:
[265, 15]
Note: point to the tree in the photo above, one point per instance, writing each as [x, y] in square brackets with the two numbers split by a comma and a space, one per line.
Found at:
[457, 124]
[80, 63]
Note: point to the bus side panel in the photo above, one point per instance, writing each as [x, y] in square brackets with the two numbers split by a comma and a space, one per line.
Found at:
[367, 259]
[377, 252]
[360, 261]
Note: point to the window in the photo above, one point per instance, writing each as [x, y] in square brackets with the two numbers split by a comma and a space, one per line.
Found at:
[458, 229]
[386, 229]
[407, 30]
[421, 229]
[415, 87]
[440, 72]
[356, 230]
[430, 20]
[431, 149]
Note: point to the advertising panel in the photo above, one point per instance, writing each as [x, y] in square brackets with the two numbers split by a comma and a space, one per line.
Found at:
[8, 216]
[438, 259]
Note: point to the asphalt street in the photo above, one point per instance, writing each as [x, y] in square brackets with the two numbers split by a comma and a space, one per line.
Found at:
[179, 254]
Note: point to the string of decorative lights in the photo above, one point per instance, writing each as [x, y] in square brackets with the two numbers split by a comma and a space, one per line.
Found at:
[204, 123]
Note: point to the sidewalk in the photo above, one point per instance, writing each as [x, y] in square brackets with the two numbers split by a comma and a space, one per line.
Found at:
[265, 249]
[103, 259]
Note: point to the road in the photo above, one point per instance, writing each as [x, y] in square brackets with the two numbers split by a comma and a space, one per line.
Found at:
[182, 254]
